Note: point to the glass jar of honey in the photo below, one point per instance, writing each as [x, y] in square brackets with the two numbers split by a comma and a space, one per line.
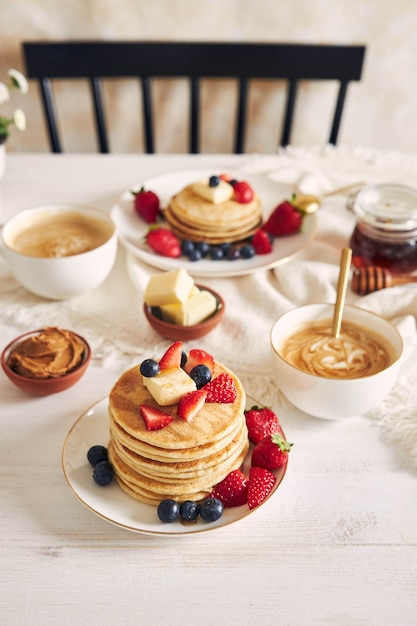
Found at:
[385, 234]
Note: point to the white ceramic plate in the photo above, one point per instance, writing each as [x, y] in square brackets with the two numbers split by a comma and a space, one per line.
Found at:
[132, 230]
[111, 503]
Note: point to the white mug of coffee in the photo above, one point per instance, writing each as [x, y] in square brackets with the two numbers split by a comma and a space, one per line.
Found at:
[59, 251]
[335, 378]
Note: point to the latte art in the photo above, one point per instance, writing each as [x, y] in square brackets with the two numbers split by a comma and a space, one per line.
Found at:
[354, 354]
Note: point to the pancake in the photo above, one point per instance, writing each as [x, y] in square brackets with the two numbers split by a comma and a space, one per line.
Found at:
[183, 460]
[196, 218]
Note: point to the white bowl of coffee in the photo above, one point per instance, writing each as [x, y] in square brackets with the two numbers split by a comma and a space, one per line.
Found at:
[60, 251]
[330, 377]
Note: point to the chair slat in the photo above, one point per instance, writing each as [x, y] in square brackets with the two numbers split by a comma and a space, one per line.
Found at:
[101, 130]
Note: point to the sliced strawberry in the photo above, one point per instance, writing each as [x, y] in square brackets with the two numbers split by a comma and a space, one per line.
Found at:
[191, 403]
[221, 389]
[164, 242]
[260, 484]
[285, 219]
[261, 422]
[243, 192]
[271, 452]
[147, 205]
[226, 177]
[198, 357]
[261, 242]
[232, 490]
[154, 418]
[172, 356]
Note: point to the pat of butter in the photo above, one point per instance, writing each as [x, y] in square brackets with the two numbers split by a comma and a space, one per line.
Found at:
[221, 193]
[169, 386]
[197, 308]
[168, 288]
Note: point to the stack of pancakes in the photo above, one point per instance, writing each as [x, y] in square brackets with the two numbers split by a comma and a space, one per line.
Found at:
[182, 461]
[193, 217]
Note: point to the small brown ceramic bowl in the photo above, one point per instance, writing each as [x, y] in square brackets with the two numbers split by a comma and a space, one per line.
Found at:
[185, 333]
[44, 386]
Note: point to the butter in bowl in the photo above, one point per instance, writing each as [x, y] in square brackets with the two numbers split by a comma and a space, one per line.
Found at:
[178, 308]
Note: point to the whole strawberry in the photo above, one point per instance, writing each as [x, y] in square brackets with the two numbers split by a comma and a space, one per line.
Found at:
[285, 219]
[271, 452]
[260, 485]
[232, 490]
[243, 192]
[164, 242]
[147, 205]
[261, 242]
[261, 422]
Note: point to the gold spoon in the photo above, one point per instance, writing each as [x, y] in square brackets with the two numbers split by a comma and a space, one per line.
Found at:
[309, 203]
[341, 290]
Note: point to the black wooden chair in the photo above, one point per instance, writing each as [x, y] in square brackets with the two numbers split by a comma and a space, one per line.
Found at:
[95, 61]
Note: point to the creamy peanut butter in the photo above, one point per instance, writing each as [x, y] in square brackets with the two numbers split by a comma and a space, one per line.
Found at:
[60, 235]
[354, 354]
[50, 354]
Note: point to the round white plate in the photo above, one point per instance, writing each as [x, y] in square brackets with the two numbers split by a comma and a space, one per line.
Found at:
[111, 503]
[131, 229]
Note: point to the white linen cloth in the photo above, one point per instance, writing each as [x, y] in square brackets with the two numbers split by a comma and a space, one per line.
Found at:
[112, 320]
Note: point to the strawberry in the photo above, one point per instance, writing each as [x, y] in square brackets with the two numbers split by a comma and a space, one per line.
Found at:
[226, 177]
[221, 389]
[198, 357]
[243, 192]
[164, 242]
[191, 403]
[261, 242]
[260, 484]
[261, 422]
[232, 490]
[172, 356]
[285, 219]
[154, 418]
[271, 452]
[146, 205]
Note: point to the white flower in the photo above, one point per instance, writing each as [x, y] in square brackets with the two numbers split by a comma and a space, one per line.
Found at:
[19, 119]
[18, 80]
[4, 93]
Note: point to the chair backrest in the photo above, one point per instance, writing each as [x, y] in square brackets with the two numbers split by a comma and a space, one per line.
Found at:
[98, 60]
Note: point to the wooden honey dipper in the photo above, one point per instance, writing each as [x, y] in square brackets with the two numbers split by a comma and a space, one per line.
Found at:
[368, 279]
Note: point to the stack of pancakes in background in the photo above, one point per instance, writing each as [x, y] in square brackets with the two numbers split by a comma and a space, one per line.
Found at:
[192, 217]
[182, 461]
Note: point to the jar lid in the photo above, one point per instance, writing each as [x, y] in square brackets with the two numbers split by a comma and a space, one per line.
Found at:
[387, 206]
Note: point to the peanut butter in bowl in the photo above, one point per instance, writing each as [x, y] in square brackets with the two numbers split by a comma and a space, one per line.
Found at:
[47, 360]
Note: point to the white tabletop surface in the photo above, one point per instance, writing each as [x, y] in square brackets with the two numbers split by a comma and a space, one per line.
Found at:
[335, 546]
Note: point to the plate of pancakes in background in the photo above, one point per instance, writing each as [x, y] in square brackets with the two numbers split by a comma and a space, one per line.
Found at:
[196, 222]
[111, 502]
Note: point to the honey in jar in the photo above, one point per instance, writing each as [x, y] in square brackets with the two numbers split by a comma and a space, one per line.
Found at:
[385, 234]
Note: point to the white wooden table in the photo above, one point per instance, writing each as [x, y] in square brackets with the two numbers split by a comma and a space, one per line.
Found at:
[335, 546]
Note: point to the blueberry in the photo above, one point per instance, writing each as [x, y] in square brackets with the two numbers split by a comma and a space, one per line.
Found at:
[168, 510]
[149, 368]
[189, 511]
[184, 358]
[203, 246]
[96, 454]
[233, 254]
[187, 246]
[216, 253]
[201, 375]
[214, 181]
[233, 182]
[103, 473]
[247, 251]
[225, 247]
[195, 255]
[211, 509]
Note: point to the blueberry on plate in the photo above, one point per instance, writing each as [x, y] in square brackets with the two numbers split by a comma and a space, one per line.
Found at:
[149, 368]
[214, 181]
[189, 511]
[216, 253]
[247, 251]
[187, 246]
[103, 473]
[168, 510]
[96, 454]
[211, 509]
[201, 375]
